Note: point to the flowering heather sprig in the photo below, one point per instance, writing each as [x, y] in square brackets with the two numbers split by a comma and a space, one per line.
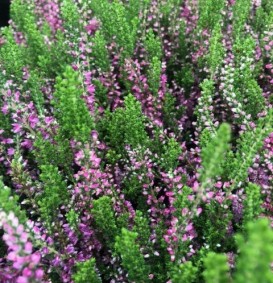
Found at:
[50, 11]
[25, 262]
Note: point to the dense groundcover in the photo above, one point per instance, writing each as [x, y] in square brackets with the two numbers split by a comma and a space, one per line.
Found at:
[136, 141]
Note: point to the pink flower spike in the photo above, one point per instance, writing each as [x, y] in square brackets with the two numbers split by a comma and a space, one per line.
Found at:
[22, 279]
[92, 26]
[185, 211]
[195, 186]
[18, 264]
[17, 128]
[9, 141]
[87, 76]
[210, 195]
[20, 229]
[218, 185]
[28, 247]
[48, 120]
[11, 151]
[5, 109]
[24, 237]
[35, 258]
[27, 272]
[33, 120]
[12, 256]
[39, 273]
[189, 227]
[91, 89]
[199, 210]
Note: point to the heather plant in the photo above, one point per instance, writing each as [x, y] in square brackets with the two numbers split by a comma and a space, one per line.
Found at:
[54, 194]
[258, 243]
[77, 122]
[252, 203]
[86, 272]
[216, 268]
[210, 13]
[131, 257]
[136, 141]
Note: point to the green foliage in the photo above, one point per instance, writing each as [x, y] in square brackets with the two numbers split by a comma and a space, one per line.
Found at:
[72, 218]
[252, 203]
[255, 101]
[142, 228]
[198, 261]
[71, 17]
[160, 264]
[169, 111]
[248, 92]
[9, 202]
[99, 52]
[255, 253]
[154, 73]
[15, 53]
[12, 52]
[115, 22]
[101, 93]
[19, 11]
[216, 50]
[86, 272]
[250, 142]
[34, 84]
[259, 20]
[182, 200]
[264, 15]
[132, 259]
[216, 268]
[49, 59]
[70, 109]
[152, 45]
[57, 153]
[185, 273]
[125, 126]
[24, 16]
[103, 214]
[210, 13]
[168, 9]
[183, 46]
[35, 39]
[171, 152]
[185, 78]
[54, 194]
[212, 226]
[5, 123]
[60, 56]
[132, 187]
[244, 48]
[203, 112]
[253, 262]
[133, 8]
[241, 11]
[267, 5]
[214, 152]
